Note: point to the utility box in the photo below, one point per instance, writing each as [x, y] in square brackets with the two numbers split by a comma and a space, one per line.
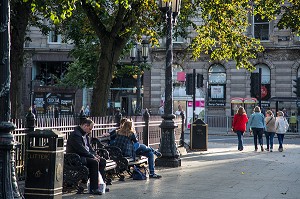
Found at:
[199, 135]
[44, 164]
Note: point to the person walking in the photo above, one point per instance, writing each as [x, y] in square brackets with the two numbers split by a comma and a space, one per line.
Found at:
[281, 126]
[240, 120]
[257, 126]
[293, 122]
[270, 129]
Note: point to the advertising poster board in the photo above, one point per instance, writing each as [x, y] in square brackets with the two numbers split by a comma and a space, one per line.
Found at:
[199, 110]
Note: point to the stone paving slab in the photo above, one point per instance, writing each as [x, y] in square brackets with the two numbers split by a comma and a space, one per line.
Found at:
[221, 172]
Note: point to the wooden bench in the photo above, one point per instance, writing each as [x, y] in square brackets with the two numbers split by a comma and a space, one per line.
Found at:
[75, 174]
[115, 153]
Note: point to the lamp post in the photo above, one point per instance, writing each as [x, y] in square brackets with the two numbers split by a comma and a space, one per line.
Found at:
[8, 181]
[168, 147]
[138, 54]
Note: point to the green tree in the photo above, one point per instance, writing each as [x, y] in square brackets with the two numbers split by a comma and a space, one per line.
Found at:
[221, 33]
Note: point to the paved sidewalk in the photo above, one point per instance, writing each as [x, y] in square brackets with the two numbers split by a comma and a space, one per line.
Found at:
[221, 172]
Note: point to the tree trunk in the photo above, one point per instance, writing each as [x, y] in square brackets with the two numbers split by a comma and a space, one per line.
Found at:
[20, 13]
[110, 53]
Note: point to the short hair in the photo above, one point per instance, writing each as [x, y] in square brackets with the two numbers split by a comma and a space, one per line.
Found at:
[87, 121]
[269, 112]
[257, 109]
[280, 113]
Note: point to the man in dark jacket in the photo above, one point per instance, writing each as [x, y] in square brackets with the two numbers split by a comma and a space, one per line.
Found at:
[78, 142]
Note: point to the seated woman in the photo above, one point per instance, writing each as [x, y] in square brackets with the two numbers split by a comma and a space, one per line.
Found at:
[126, 138]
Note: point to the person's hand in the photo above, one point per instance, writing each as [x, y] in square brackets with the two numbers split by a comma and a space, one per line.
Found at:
[105, 134]
[250, 132]
[97, 157]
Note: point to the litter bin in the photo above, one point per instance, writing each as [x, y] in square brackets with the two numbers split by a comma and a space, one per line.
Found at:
[44, 167]
[199, 135]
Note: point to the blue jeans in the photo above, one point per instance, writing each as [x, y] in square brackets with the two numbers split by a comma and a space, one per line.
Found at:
[148, 152]
[269, 139]
[258, 132]
[240, 139]
[280, 139]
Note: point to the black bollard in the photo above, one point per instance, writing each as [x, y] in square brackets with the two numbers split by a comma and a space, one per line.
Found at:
[182, 128]
[146, 117]
[9, 185]
[30, 121]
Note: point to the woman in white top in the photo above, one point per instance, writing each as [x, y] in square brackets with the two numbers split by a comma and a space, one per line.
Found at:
[281, 126]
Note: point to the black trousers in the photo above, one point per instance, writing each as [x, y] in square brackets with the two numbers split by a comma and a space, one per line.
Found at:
[94, 166]
[258, 133]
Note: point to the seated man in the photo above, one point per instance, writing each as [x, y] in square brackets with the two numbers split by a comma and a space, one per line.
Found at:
[79, 143]
[126, 138]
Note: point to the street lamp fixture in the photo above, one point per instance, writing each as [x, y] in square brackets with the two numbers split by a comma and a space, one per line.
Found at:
[139, 56]
[167, 146]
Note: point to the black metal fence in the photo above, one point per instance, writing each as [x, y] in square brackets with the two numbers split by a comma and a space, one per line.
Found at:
[148, 127]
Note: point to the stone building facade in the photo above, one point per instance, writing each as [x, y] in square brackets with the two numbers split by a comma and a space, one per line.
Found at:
[46, 58]
[224, 88]
[224, 83]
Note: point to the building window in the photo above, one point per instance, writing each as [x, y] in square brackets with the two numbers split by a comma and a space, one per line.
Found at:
[53, 37]
[265, 82]
[261, 28]
[216, 85]
[266, 73]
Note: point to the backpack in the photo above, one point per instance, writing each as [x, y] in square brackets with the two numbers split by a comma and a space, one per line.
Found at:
[137, 174]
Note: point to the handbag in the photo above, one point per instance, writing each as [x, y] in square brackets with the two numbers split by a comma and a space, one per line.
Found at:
[137, 174]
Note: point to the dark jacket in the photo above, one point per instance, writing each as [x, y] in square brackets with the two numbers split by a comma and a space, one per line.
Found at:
[75, 144]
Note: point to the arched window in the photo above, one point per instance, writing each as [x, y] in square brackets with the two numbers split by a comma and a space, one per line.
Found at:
[216, 85]
[217, 74]
[266, 73]
[265, 83]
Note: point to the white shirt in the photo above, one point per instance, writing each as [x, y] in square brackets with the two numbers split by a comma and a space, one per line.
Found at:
[85, 143]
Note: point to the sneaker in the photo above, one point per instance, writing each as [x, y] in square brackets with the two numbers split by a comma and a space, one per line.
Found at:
[267, 149]
[262, 148]
[154, 176]
[271, 150]
[255, 150]
[157, 153]
[280, 149]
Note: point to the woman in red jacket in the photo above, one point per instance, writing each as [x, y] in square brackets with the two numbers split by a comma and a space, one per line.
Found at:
[240, 120]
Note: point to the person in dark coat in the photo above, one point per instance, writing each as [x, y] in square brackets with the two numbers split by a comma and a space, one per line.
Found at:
[79, 143]
[56, 112]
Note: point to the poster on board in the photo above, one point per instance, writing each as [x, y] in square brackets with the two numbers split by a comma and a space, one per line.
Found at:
[199, 110]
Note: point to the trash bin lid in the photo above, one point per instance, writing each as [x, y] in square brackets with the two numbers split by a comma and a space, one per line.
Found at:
[199, 121]
[46, 133]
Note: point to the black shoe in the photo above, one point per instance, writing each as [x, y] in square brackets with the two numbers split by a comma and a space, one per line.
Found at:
[262, 148]
[106, 189]
[157, 153]
[96, 192]
[154, 176]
